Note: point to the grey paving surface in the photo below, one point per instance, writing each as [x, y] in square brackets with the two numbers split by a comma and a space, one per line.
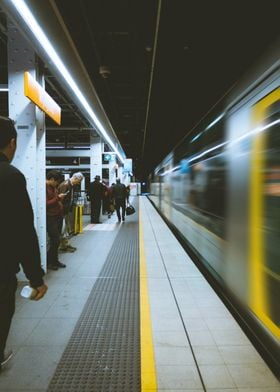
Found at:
[103, 353]
[186, 313]
[41, 330]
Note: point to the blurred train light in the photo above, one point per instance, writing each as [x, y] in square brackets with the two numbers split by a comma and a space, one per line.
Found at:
[254, 132]
[196, 137]
[207, 151]
[215, 121]
[170, 170]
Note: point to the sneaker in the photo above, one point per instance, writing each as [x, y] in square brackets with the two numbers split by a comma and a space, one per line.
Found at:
[71, 248]
[7, 356]
[60, 265]
[64, 249]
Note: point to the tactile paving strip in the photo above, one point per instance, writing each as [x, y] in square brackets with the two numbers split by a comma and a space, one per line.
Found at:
[103, 353]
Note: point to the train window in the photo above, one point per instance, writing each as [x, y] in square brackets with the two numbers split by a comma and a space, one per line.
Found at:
[182, 150]
[200, 184]
[209, 175]
[201, 140]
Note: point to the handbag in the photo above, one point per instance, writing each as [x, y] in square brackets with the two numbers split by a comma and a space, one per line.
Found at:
[129, 210]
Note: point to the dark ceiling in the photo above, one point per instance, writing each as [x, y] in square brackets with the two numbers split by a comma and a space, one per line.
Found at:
[203, 48]
[117, 37]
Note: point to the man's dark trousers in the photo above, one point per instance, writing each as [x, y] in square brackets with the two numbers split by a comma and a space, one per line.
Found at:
[7, 309]
[120, 203]
[54, 226]
[95, 210]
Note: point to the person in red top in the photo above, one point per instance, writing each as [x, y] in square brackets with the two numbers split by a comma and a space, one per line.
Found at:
[54, 217]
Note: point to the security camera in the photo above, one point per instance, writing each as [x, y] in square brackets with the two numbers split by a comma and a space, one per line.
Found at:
[104, 71]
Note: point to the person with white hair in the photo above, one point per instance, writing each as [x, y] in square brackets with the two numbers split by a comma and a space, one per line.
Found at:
[67, 188]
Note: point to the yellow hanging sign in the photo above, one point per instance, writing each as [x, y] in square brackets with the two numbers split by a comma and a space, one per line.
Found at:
[41, 98]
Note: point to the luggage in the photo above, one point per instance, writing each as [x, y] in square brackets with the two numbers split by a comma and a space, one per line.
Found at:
[129, 210]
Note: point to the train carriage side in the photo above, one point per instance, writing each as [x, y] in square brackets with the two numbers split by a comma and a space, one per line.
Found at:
[221, 192]
[253, 253]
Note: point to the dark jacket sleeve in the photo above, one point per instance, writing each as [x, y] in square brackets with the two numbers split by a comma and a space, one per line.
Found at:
[63, 187]
[25, 234]
[67, 202]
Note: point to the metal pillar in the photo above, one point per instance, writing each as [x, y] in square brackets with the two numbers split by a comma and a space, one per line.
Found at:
[41, 224]
[30, 154]
[95, 157]
[112, 171]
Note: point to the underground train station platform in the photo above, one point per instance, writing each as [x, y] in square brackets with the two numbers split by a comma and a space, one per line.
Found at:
[130, 312]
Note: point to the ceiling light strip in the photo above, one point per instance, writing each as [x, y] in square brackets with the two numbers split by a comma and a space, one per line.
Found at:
[151, 77]
[38, 33]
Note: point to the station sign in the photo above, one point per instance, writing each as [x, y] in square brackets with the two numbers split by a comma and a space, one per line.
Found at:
[106, 158]
[127, 167]
[41, 98]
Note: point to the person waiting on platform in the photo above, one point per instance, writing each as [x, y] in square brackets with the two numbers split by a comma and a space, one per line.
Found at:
[67, 188]
[96, 193]
[19, 242]
[54, 217]
[120, 194]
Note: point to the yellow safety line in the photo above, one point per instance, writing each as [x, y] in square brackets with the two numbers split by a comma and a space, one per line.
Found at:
[258, 291]
[148, 369]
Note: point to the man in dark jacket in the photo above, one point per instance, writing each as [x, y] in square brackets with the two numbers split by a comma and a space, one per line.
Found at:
[120, 194]
[18, 238]
[96, 193]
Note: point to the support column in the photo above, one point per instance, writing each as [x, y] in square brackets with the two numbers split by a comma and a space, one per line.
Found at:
[30, 154]
[40, 221]
[95, 157]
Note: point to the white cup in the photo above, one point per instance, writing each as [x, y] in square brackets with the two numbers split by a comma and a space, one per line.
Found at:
[28, 292]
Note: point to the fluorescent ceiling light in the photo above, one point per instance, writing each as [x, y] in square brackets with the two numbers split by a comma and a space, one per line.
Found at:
[41, 37]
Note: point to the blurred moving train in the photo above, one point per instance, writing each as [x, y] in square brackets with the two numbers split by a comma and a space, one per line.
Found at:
[220, 190]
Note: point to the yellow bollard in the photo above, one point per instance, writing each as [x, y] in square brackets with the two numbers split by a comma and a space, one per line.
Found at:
[81, 219]
[78, 222]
